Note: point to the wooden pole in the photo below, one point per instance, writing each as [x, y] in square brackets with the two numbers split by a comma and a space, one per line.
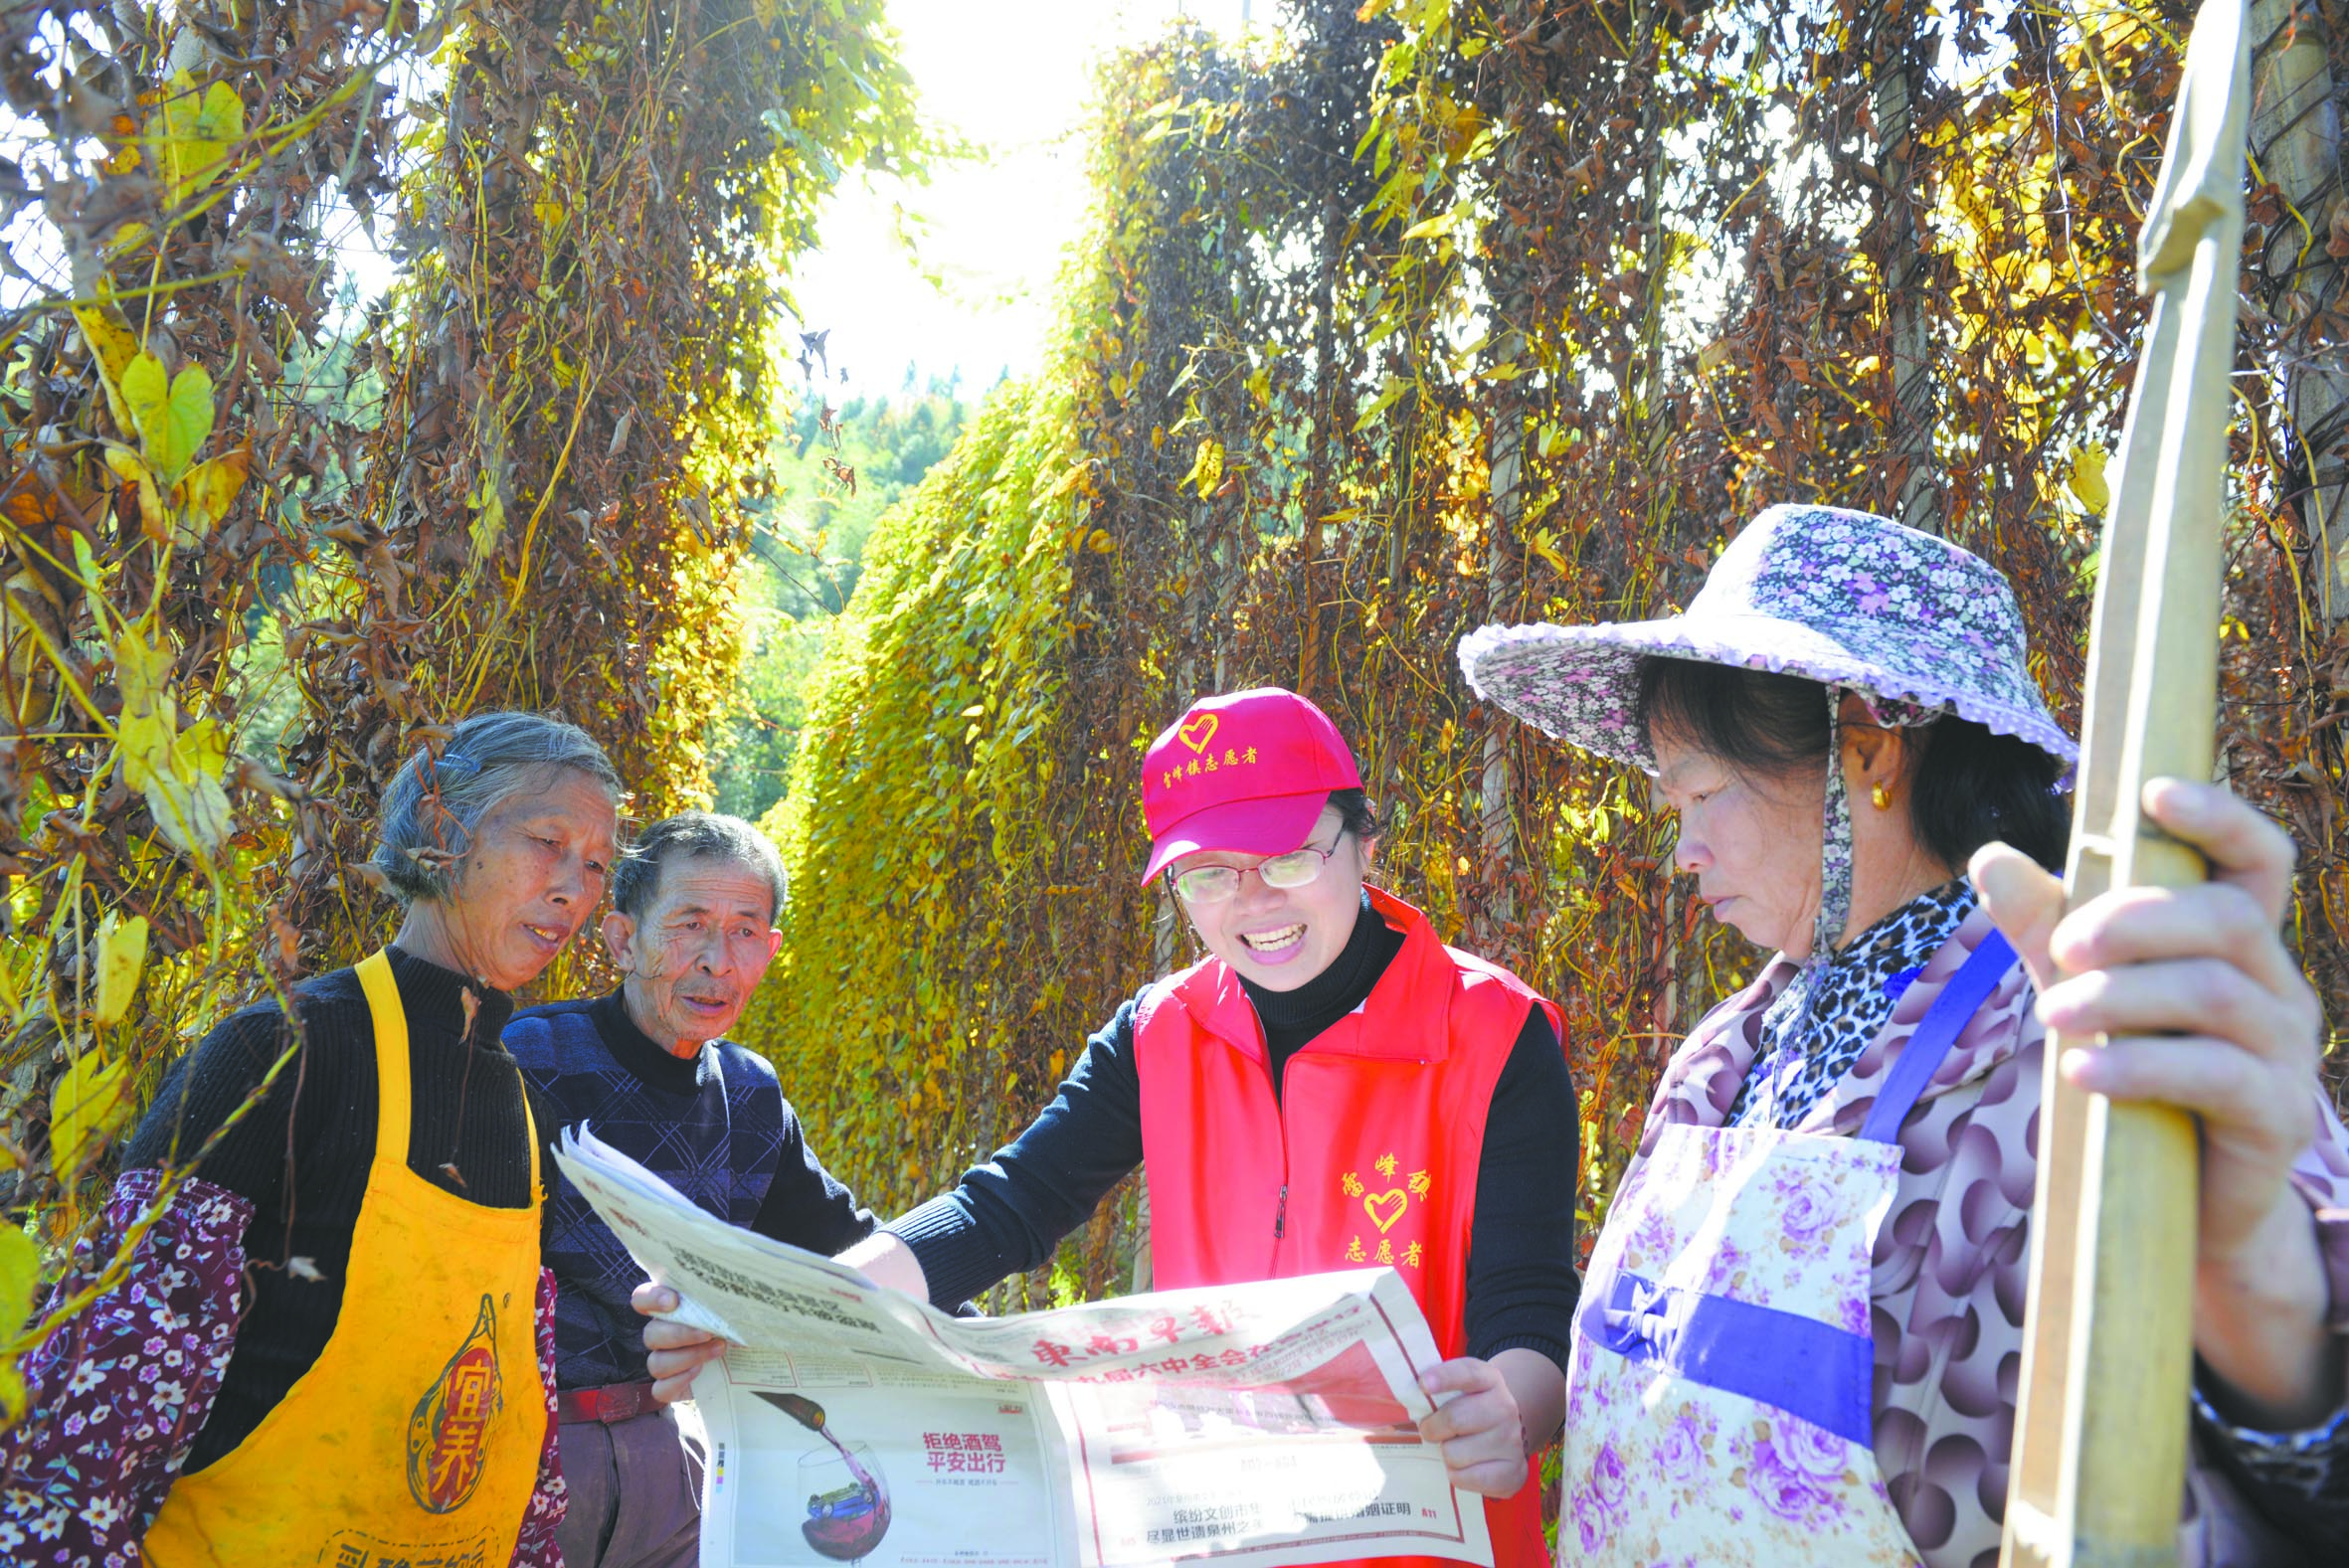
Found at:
[2100, 1462]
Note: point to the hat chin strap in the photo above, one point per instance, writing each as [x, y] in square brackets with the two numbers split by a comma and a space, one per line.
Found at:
[1835, 843]
[1796, 1002]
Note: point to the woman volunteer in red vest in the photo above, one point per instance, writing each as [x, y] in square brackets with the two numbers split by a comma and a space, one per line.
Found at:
[333, 1340]
[1331, 1087]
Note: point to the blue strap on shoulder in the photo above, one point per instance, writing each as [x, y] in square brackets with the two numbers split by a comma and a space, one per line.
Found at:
[1929, 1047]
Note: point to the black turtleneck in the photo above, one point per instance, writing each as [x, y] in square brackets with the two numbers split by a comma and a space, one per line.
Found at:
[301, 1154]
[1291, 1019]
[1008, 1215]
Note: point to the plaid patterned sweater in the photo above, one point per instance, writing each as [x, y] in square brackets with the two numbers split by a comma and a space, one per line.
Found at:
[715, 1126]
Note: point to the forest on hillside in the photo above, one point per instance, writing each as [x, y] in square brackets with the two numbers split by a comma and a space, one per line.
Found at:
[1395, 317]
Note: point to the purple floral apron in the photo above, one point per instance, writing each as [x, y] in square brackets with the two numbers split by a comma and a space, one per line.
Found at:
[1719, 1394]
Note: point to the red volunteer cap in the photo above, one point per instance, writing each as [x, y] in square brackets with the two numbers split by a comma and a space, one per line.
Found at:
[1246, 773]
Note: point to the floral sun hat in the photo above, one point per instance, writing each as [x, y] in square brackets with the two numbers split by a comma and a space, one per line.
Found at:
[1852, 599]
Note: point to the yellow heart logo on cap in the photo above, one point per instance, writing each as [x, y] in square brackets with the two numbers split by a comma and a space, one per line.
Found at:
[1197, 730]
[1384, 1208]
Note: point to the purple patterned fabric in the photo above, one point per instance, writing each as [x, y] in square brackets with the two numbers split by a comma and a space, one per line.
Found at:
[535, 1547]
[118, 1394]
[1845, 598]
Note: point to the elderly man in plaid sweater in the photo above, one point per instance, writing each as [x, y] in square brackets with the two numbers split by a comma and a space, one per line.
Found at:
[692, 927]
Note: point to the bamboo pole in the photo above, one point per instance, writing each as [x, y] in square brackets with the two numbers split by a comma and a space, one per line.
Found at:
[2100, 1436]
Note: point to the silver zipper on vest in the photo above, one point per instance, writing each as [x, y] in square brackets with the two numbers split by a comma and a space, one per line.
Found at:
[1280, 1216]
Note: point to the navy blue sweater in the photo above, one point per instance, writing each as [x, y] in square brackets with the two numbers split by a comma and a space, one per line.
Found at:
[714, 1126]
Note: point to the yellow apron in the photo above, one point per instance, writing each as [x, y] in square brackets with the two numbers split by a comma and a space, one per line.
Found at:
[418, 1432]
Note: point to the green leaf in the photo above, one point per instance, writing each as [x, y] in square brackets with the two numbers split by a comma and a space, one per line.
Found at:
[185, 797]
[143, 743]
[173, 418]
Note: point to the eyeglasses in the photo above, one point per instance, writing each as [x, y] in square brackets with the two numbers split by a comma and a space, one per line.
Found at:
[1214, 884]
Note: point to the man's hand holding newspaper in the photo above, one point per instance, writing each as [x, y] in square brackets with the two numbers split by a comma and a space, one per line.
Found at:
[1283, 1422]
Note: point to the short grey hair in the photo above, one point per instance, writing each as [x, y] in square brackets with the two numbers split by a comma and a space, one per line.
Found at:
[694, 835]
[435, 802]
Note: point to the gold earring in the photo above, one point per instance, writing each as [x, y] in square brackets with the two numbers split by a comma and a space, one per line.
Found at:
[1882, 797]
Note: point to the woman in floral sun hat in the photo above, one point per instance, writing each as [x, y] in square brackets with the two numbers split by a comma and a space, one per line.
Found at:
[1798, 1336]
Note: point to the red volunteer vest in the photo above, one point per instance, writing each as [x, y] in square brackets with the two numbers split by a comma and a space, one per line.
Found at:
[1369, 1156]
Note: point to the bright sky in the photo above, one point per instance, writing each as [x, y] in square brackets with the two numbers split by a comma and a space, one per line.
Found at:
[1015, 78]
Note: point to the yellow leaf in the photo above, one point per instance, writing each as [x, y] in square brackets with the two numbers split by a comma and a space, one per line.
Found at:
[86, 1105]
[489, 503]
[152, 521]
[1434, 228]
[210, 488]
[126, 239]
[142, 674]
[143, 742]
[199, 128]
[201, 747]
[1207, 468]
[2088, 479]
[20, 1274]
[107, 332]
[121, 954]
[19, 1277]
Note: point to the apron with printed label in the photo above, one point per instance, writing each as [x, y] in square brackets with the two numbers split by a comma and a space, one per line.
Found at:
[417, 1434]
[1718, 1399]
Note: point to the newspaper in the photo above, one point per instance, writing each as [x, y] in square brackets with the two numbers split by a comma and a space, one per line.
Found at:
[1264, 1424]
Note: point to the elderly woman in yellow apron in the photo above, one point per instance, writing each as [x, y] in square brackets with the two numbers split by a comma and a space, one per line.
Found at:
[380, 1393]
[1800, 1326]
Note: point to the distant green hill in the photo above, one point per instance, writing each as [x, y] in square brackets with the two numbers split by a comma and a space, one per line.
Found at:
[832, 486]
